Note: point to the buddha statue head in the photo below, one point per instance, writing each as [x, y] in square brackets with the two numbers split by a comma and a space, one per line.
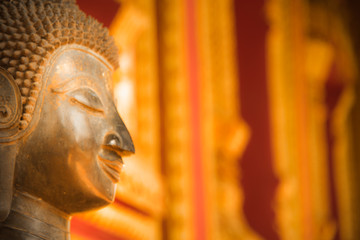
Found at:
[61, 137]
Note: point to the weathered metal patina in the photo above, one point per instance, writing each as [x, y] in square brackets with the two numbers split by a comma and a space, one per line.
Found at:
[10, 99]
[61, 137]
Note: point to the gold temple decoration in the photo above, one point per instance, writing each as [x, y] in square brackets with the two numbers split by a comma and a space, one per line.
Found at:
[301, 55]
[224, 132]
[288, 194]
[178, 219]
[344, 161]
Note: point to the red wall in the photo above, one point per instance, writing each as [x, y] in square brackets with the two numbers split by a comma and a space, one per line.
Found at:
[333, 90]
[102, 10]
[258, 179]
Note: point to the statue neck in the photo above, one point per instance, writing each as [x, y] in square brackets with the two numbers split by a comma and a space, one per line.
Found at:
[32, 218]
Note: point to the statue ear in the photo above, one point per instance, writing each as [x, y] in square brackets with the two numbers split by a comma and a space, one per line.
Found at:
[10, 112]
[7, 167]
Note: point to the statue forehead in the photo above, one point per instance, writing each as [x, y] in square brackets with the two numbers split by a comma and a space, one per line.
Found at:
[78, 63]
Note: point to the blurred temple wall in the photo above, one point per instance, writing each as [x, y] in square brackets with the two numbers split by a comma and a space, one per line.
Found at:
[245, 117]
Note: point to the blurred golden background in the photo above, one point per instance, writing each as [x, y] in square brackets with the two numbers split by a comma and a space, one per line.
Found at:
[245, 117]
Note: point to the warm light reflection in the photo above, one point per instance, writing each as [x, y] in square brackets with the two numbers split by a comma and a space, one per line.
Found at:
[124, 90]
[109, 218]
[126, 62]
[124, 94]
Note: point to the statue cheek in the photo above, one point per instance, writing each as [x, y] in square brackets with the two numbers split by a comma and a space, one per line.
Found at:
[80, 127]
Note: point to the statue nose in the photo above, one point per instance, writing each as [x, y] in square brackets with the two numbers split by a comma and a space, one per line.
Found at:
[121, 141]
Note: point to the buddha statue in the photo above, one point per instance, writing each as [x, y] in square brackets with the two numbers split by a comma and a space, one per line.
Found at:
[61, 137]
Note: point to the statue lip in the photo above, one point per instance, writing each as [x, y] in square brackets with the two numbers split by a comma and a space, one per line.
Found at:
[111, 162]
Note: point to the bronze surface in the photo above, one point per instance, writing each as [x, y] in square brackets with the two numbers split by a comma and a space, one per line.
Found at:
[61, 138]
[10, 101]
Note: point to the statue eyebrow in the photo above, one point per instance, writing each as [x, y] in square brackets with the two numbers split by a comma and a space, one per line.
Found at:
[70, 84]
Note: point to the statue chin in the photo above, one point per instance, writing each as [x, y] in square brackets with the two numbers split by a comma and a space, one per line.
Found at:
[62, 141]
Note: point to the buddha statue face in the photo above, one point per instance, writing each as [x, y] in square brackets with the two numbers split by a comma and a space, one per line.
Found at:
[76, 149]
[61, 137]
